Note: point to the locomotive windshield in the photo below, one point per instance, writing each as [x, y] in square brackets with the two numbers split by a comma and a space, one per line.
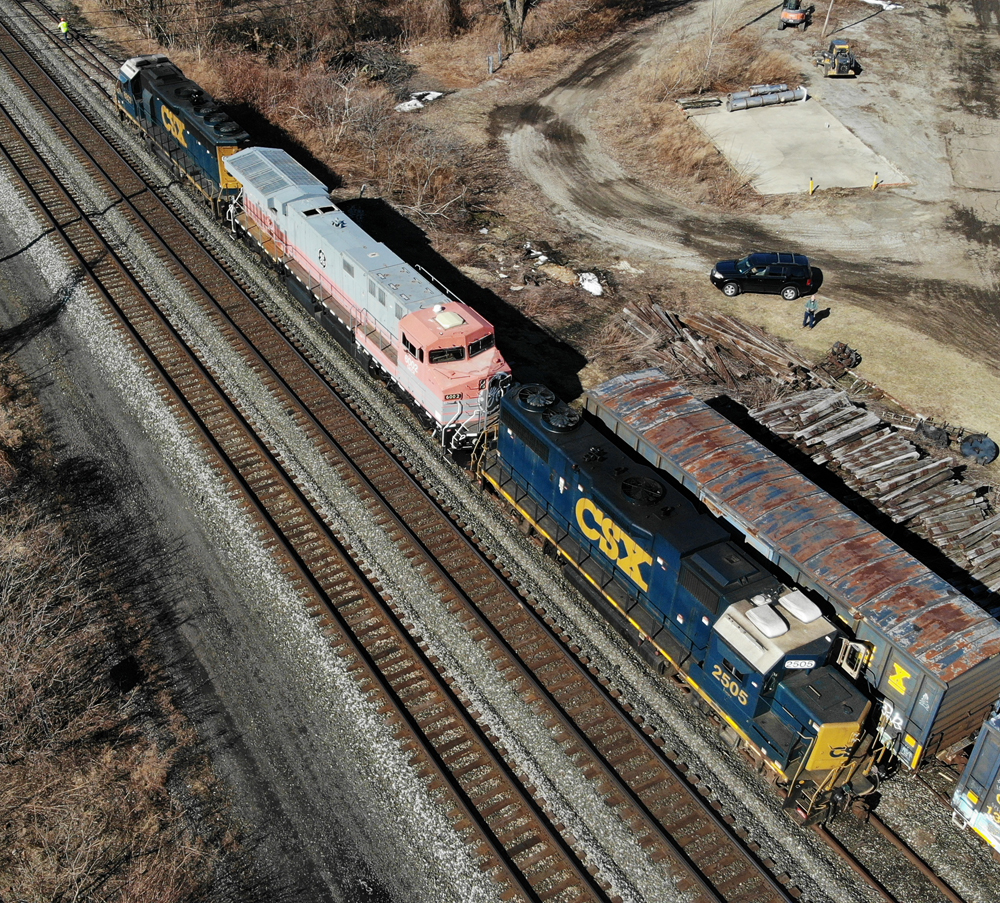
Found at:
[445, 355]
[480, 345]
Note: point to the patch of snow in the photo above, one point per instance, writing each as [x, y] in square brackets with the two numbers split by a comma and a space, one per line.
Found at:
[417, 101]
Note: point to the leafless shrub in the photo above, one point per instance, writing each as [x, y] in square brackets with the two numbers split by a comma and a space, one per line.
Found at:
[244, 79]
[721, 60]
[576, 21]
[555, 306]
[431, 18]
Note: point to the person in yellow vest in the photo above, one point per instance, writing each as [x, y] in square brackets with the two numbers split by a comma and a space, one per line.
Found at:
[64, 28]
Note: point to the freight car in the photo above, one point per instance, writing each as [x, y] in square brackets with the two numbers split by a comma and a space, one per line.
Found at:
[926, 655]
[674, 581]
[186, 128]
[437, 353]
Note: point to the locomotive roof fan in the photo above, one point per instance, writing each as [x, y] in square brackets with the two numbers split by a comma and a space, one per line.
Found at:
[561, 419]
[643, 490]
[536, 397]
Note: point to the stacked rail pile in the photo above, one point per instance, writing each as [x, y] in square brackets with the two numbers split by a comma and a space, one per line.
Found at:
[906, 483]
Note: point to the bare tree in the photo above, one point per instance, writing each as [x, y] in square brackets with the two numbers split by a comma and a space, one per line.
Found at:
[514, 13]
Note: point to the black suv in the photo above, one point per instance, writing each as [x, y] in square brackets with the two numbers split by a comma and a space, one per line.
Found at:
[788, 275]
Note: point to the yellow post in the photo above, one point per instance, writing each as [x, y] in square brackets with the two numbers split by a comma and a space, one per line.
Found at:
[875, 182]
[812, 185]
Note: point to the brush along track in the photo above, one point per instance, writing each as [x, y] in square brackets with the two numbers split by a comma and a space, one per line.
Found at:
[669, 818]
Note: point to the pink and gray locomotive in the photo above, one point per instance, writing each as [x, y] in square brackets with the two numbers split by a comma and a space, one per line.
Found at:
[436, 351]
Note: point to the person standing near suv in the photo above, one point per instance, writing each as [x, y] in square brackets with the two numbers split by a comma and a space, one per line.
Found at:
[809, 320]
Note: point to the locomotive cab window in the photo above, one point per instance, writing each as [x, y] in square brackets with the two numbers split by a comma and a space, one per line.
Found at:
[446, 355]
[481, 345]
[418, 353]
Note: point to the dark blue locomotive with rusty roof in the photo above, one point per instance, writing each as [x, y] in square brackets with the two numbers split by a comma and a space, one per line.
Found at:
[689, 595]
[190, 131]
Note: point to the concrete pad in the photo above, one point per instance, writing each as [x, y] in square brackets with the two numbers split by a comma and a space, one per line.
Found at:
[782, 147]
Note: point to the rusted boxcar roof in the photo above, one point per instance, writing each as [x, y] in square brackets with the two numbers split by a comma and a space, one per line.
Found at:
[863, 573]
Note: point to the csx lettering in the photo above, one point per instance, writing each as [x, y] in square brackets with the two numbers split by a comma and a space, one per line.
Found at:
[898, 679]
[614, 542]
[173, 124]
[731, 684]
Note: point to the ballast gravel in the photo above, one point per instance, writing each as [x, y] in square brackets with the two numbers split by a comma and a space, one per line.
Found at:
[293, 735]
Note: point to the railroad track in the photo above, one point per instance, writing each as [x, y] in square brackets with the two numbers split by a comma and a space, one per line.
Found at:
[528, 852]
[515, 833]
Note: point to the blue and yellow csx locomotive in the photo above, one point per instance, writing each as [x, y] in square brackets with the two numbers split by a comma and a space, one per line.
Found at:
[676, 584]
[185, 127]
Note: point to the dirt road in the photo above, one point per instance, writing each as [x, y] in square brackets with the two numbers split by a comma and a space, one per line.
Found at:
[912, 274]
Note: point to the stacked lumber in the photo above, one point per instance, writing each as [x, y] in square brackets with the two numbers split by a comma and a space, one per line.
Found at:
[901, 479]
[721, 351]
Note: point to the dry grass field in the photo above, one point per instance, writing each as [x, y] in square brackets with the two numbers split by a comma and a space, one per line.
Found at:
[92, 745]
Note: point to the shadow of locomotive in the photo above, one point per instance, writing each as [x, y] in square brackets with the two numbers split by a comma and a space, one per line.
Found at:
[534, 354]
